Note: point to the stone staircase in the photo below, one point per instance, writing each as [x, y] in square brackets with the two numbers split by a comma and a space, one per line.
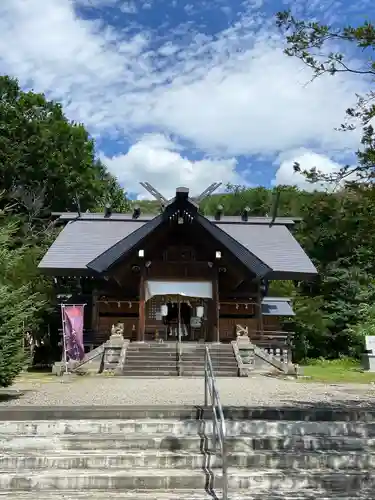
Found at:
[151, 360]
[153, 453]
[160, 360]
[222, 356]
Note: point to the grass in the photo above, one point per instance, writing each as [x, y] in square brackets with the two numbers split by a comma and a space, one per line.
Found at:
[35, 377]
[337, 371]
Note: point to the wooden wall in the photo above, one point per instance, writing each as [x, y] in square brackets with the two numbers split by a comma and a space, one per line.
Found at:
[111, 312]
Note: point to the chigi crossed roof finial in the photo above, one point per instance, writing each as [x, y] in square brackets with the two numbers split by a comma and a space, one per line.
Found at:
[197, 199]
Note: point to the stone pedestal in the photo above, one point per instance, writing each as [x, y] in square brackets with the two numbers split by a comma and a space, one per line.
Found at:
[58, 368]
[368, 362]
[245, 349]
[112, 352]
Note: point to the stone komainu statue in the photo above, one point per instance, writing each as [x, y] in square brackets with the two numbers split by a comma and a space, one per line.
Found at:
[118, 329]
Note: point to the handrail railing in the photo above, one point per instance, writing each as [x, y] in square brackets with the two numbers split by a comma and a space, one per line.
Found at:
[179, 351]
[218, 421]
[179, 357]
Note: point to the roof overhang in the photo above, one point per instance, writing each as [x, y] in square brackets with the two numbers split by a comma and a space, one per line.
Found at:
[104, 262]
[108, 259]
[277, 306]
[267, 252]
[247, 258]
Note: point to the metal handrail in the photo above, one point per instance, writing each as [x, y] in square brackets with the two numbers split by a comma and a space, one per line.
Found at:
[179, 357]
[218, 421]
[179, 351]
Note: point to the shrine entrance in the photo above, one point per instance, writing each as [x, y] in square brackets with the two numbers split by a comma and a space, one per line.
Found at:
[179, 310]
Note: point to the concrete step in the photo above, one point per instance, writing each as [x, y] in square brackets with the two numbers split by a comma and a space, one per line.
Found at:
[200, 374]
[180, 459]
[154, 479]
[217, 368]
[214, 355]
[272, 432]
[150, 361]
[192, 442]
[215, 362]
[151, 354]
[178, 495]
[153, 372]
[329, 415]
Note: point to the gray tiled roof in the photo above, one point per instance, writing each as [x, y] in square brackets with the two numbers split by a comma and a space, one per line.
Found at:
[81, 241]
[277, 306]
[274, 245]
[225, 219]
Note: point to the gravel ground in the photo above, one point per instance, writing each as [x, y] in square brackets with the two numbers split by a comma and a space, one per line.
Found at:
[253, 391]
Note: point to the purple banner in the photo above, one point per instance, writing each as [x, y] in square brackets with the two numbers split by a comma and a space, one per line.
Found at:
[73, 332]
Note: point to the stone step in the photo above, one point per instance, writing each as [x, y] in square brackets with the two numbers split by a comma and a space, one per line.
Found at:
[150, 479]
[344, 415]
[150, 361]
[284, 431]
[215, 362]
[200, 374]
[151, 354]
[179, 459]
[178, 495]
[216, 366]
[150, 373]
[124, 441]
[202, 354]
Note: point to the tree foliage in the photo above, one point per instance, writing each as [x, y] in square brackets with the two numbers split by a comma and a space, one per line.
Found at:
[47, 162]
[338, 233]
[332, 50]
[22, 299]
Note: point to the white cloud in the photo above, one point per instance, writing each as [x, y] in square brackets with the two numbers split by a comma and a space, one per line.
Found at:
[285, 174]
[232, 94]
[156, 159]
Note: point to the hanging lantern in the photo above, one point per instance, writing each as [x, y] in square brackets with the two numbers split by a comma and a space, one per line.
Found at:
[200, 311]
[164, 310]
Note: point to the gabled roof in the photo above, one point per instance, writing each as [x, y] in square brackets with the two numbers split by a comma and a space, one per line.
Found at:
[278, 248]
[113, 254]
[225, 219]
[81, 241]
[94, 243]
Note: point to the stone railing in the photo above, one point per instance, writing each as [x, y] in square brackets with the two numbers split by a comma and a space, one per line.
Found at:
[244, 358]
[121, 362]
[113, 351]
[246, 351]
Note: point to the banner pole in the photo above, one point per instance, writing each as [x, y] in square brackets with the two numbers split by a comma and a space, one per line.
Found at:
[64, 339]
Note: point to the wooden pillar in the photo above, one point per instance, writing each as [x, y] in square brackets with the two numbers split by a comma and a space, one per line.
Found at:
[260, 315]
[216, 307]
[142, 317]
[94, 317]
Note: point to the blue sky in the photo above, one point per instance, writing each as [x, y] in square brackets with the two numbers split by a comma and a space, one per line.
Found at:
[185, 92]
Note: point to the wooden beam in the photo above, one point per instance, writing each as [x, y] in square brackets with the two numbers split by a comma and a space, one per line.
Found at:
[142, 316]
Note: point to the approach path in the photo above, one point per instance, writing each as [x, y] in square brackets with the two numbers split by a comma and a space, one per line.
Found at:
[253, 391]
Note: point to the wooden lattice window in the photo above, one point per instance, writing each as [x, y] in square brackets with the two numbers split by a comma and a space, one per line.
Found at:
[152, 308]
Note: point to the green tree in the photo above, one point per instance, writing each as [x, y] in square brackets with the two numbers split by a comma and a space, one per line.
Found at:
[47, 162]
[315, 44]
[338, 232]
[23, 299]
